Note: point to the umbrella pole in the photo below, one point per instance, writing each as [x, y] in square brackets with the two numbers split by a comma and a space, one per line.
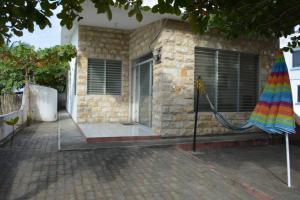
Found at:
[288, 159]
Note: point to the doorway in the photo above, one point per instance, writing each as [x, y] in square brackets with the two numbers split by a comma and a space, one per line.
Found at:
[142, 96]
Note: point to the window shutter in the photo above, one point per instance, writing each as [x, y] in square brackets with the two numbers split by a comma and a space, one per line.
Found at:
[96, 76]
[228, 64]
[296, 58]
[113, 77]
[205, 60]
[248, 81]
[75, 77]
[230, 79]
[104, 77]
[298, 99]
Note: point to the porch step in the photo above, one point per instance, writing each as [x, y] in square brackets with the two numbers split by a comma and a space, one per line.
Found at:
[244, 139]
[120, 139]
[203, 142]
[71, 138]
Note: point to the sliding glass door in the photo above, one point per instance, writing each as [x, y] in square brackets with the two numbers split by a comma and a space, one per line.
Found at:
[143, 92]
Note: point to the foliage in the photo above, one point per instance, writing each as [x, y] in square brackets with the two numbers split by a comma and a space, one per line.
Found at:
[18, 15]
[236, 18]
[233, 18]
[12, 121]
[52, 76]
[21, 63]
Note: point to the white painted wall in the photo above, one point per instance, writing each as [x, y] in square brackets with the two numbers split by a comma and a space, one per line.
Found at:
[71, 96]
[43, 103]
[294, 73]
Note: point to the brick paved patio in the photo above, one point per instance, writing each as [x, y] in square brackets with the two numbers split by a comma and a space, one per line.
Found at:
[34, 169]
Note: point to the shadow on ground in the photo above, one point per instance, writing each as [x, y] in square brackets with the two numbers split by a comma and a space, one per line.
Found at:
[34, 169]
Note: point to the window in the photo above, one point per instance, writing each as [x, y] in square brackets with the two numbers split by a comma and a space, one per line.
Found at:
[230, 79]
[104, 77]
[298, 99]
[296, 58]
[75, 77]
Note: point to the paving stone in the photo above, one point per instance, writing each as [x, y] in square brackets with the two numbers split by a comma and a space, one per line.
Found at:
[34, 169]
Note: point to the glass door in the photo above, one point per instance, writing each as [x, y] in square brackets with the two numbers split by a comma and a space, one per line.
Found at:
[143, 93]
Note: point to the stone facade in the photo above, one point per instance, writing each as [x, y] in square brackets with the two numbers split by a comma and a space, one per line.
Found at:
[173, 78]
[102, 43]
[142, 41]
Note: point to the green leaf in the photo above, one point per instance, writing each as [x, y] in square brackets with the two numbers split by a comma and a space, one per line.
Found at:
[126, 6]
[139, 16]
[131, 12]
[177, 11]
[155, 9]
[146, 8]
[12, 121]
[1, 40]
[109, 14]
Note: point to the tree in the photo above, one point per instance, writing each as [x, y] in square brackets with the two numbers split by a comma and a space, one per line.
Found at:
[21, 63]
[54, 76]
[19, 15]
[233, 18]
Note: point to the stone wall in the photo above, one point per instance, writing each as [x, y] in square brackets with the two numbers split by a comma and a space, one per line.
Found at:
[102, 43]
[173, 98]
[173, 78]
[142, 41]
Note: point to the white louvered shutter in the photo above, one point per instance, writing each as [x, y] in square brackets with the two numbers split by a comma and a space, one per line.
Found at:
[104, 77]
[113, 77]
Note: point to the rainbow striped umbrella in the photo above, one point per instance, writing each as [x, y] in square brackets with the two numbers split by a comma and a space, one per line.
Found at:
[274, 111]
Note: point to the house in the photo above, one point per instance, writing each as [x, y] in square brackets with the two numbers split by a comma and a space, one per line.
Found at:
[129, 71]
[293, 64]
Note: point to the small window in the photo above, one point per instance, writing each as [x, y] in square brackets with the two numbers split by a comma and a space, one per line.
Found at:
[75, 78]
[298, 99]
[296, 58]
[104, 77]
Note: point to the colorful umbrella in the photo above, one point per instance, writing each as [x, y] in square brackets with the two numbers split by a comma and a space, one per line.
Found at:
[274, 111]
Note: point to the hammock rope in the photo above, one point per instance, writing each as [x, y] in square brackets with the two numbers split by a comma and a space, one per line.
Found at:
[219, 117]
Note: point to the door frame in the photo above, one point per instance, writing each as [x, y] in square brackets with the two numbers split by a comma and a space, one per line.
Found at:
[135, 95]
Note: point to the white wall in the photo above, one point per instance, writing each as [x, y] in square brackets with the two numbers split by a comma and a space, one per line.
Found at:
[43, 103]
[294, 73]
[71, 96]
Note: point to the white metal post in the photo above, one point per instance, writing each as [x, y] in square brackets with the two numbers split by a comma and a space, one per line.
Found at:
[288, 159]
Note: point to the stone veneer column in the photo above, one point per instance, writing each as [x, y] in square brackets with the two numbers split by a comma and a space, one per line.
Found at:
[176, 84]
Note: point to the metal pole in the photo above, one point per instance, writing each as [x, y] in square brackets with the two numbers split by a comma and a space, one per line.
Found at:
[196, 116]
[288, 159]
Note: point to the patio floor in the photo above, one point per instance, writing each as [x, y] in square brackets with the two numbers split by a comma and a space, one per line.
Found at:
[71, 137]
[96, 132]
[34, 169]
